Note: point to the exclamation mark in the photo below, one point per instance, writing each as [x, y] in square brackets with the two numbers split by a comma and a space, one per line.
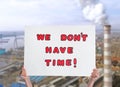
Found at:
[75, 62]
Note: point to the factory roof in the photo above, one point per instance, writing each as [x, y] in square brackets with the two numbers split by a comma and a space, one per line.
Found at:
[36, 79]
[18, 85]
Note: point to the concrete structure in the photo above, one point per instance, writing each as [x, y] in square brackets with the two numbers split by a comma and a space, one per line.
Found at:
[107, 57]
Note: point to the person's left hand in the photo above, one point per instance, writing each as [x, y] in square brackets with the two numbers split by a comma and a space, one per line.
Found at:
[24, 74]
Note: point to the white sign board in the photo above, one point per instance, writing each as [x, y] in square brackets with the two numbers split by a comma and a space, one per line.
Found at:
[60, 50]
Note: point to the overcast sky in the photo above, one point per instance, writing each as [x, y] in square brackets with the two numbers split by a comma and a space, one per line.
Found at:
[15, 14]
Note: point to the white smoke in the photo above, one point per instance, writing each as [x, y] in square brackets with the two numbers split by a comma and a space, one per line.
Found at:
[93, 10]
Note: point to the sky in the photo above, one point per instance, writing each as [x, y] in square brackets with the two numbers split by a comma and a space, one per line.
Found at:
[16, 14]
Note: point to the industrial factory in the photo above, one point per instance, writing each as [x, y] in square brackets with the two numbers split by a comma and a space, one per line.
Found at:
[11, 61]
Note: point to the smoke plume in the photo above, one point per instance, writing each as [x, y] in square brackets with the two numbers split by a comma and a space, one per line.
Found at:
[94, 11]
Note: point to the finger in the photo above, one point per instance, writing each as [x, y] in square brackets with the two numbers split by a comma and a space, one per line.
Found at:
[95, 69]
[94, 75]
[23, 68]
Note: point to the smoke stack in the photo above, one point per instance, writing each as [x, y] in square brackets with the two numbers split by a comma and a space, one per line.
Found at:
[107, 56]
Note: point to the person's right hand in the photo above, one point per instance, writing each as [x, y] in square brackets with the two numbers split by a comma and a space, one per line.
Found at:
[94, 74]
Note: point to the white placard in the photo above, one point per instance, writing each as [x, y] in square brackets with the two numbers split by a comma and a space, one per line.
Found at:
[60, 50]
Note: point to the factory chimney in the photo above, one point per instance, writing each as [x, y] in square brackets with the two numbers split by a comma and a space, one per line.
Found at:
[107, 56]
